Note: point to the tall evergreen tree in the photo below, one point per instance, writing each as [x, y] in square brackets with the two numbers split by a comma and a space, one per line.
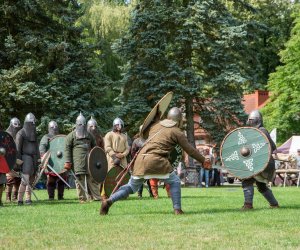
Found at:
[190, 47]
[45, 68]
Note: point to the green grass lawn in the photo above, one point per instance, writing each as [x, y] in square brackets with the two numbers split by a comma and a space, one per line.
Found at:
[212, 220]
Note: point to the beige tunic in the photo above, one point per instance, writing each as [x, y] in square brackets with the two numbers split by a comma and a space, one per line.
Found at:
[153, 157]
[116, 143]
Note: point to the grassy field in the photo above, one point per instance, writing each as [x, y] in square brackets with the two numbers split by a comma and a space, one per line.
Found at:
[212, 220]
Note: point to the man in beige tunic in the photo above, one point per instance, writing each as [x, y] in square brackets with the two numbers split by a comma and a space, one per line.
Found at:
[116, 148]
[152, 161]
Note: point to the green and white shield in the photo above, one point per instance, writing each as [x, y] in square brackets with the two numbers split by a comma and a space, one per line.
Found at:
[57, 158]
[245, 152]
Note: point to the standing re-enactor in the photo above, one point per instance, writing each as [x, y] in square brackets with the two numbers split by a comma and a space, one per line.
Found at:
[52, 178]
[152, 161]
[28, 152]
[78, 145]
[255, 120]
[92, 128]
[116, 147]
[13, 180]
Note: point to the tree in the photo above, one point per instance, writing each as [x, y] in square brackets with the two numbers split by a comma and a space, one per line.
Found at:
[45, 68]
[283, 110]
[268, 24]
[190, 47]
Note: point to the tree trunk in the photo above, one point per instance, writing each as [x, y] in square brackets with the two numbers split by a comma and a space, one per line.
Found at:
[190, 131]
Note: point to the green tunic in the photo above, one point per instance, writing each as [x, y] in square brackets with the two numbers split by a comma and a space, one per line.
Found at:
[77, 151]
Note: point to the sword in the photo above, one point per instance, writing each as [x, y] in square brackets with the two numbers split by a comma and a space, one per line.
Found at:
[86, 193]
[62, 179]
[44, 163]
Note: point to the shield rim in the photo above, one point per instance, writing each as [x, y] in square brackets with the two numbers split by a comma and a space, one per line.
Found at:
[53, 138]
[221, 149]
[94, 149]
[15, 147]
[104, 186]
[162, 108]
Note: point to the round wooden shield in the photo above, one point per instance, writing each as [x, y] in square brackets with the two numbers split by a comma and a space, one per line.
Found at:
[7, 144]
[161, 107]
[57, 151]
[97, 164]
[110, 180]
[176, 156]
[245, 152]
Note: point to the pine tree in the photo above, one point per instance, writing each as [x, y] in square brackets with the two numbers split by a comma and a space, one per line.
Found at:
[190, 47]
[45, 68]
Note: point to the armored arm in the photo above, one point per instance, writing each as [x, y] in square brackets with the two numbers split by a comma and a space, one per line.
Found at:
[44, 144]
[69, 148]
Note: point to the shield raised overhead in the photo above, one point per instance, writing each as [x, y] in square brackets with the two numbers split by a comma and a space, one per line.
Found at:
[8, 152]
[161, 107]
[97, 164]
[57, 150]
[110, 180]
[245, 152]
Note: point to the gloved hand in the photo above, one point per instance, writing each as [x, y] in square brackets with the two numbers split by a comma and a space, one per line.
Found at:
[116, 160]
[68, 165]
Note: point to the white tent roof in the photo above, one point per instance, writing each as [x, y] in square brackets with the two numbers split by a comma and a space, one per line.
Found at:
[290, 146]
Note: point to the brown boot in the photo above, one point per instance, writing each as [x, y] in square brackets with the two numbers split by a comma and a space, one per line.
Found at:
[274, 206]
[247, 207]
[178, 211]
[105, 205]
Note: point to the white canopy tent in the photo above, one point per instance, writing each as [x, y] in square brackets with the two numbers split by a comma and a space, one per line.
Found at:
[290, 146]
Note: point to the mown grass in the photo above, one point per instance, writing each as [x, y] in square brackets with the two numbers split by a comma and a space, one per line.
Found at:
[212, 220]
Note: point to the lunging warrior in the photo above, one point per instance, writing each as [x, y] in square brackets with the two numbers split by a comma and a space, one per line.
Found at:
[152, 160]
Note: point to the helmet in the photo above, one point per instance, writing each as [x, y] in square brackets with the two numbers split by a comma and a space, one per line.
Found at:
[80, 120]
[255, 119]
[118, 121]
[30, 118]
[92, 122]
[14, 127]
[15, 122]
[175, 115]
[53, 128]
[29, 127]
[81, 131]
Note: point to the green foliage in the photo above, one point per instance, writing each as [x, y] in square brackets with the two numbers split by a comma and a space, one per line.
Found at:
[268, 24]
[190, 47]
[283, 110]
[44, 67]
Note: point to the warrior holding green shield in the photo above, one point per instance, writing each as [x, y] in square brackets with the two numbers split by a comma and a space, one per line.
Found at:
[255, 120]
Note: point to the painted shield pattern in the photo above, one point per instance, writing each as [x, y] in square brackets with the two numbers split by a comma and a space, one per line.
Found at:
[8, 151]
[245, 152]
